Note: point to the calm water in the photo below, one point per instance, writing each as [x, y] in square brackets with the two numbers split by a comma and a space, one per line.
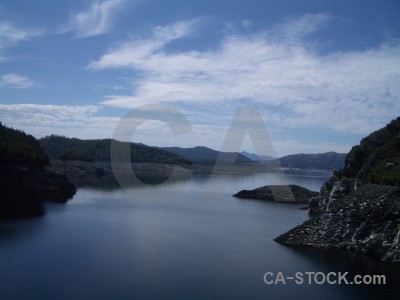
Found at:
[185, 240]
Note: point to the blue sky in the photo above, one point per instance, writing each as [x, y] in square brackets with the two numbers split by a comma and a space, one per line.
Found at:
[323, 73]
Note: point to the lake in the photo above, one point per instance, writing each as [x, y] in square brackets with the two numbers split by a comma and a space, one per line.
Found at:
[187, 239]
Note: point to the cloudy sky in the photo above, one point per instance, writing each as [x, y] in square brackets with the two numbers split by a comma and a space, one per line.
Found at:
[322, 74]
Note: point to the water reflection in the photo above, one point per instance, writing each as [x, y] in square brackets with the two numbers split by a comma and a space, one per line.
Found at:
[172, 240]
[338, 260]
[188, 180]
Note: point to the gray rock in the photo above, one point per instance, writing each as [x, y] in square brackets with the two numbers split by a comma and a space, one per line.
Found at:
[366, 220]
[279, 193]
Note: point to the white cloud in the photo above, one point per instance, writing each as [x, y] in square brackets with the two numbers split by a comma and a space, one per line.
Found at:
[97, 19]
[16, 81]
[86, 122]
[351, 92]
[136, 53]
[11, 35]
[73, 121]
[294, 30]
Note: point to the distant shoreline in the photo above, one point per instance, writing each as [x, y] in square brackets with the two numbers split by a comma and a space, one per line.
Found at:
[223, 169]
[243, 169]
[93, 173]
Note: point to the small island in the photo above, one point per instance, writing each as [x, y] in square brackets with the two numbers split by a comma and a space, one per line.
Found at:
[281, 193]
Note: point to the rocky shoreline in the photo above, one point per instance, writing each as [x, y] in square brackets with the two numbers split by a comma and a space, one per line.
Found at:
[358, 209]
[365, 219]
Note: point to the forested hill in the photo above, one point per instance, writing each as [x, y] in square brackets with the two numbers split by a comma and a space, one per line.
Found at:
[204, 155]
[377, 158]
[19, 148]
[328, 161]
[63, 148]
[24, 180]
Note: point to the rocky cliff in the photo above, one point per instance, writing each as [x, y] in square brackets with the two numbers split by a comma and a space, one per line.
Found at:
[359, 207]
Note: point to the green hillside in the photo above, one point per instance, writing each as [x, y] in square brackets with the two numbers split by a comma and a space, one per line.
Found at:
[204, 155]
[328, 161]
[63, 148]
[17, 147]
[377, 158]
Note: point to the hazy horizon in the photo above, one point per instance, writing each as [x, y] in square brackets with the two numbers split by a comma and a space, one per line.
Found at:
[322, 74]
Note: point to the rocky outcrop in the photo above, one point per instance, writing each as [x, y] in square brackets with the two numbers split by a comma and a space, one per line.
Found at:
[280, 193]
[359, 207]
[366, 220]
[331, 191]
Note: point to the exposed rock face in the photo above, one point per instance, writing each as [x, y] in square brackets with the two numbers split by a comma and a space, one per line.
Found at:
[278, 193]
[353, 212]
[366, 220]
[331, 191]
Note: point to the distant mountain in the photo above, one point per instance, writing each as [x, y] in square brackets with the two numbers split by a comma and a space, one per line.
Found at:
[63, 148]
[327, 161]
[68, 149]
[256, 157]
[204, 155]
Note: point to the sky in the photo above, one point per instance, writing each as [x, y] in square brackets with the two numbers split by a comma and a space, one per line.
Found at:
[322, 74]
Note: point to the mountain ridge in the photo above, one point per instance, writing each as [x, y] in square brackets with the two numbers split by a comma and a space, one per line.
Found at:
[205, 155]
[63, 148]
[327, 160]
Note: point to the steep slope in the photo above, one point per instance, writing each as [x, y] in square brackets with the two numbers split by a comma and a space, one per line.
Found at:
[352, 211]
[377, 158]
